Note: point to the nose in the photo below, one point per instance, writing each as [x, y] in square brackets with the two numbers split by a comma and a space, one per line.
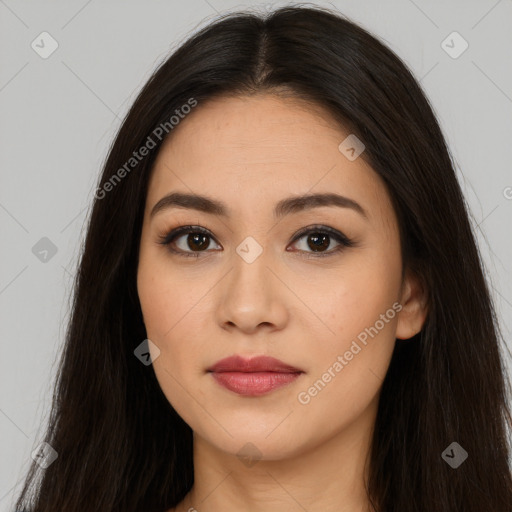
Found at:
[252, 297]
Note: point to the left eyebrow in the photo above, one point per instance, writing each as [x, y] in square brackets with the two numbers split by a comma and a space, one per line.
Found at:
[284, 207]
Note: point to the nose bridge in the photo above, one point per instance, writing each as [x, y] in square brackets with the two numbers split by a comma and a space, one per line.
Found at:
[250, 279]
[251, 294]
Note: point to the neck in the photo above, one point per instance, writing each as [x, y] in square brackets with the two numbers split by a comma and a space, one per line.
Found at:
[328, 477]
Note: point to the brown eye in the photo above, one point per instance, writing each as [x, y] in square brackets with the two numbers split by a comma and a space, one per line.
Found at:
[321, 241]
[198, 241]
[188, 240]
[194, 240]
[318, 242]
[315, 242]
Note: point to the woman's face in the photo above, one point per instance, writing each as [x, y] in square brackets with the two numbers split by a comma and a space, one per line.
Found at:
[255, 285]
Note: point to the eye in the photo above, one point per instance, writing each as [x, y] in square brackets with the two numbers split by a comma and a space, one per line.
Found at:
[319, 238]
[197, 239]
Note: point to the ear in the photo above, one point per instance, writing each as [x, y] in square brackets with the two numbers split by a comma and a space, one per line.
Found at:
[414, 310]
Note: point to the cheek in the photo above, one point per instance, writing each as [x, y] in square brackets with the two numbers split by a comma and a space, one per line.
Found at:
[174, 313]
[163, 294]
[351, 298]
[361, 313]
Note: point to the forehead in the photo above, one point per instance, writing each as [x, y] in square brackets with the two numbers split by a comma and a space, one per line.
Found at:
[240, 128]
[262, 147]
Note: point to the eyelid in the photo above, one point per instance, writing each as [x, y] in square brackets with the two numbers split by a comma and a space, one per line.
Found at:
[319, 228]
[342, 240]
[172, 234]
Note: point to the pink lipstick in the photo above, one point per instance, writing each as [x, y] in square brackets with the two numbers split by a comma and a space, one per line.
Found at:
[253, 377]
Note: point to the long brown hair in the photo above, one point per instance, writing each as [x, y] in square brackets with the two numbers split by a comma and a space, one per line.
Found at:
[120, 444]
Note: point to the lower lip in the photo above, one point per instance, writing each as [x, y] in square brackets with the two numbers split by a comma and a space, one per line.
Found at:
[253, 384]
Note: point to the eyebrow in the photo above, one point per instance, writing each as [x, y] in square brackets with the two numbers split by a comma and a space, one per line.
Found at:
[284, 207]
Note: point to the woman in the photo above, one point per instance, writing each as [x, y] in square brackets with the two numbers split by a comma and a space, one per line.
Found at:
[280, 303]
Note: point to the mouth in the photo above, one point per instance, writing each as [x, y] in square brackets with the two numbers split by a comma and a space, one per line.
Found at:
[253, 377]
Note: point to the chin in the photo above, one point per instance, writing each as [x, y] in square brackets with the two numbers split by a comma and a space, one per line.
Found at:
[258, 443]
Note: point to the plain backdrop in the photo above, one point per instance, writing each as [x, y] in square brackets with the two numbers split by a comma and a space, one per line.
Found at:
[59, 114]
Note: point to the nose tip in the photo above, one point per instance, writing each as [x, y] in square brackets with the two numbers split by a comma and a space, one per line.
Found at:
[251, 298]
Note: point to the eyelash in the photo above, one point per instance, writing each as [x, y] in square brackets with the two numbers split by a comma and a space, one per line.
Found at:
[343, 241]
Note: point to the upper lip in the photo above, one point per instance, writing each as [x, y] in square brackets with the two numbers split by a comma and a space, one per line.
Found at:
[256, 364]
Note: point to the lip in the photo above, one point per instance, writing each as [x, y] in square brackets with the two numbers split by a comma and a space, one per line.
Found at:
[255, 364]
[255, 376]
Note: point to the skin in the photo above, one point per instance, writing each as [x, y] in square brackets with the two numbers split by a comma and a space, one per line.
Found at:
[251, 152]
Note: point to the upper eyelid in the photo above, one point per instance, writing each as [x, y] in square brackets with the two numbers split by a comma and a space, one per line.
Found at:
[183, 230]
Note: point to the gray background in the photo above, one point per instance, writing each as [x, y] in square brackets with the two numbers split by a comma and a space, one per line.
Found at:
[59, 114]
